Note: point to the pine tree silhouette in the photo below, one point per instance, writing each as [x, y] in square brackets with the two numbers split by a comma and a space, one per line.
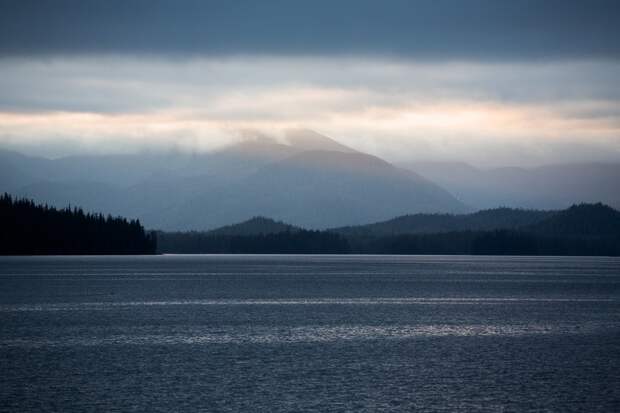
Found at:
[30, 229]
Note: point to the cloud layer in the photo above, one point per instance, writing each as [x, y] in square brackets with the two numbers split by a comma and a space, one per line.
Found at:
[486, 81]
[483, 112]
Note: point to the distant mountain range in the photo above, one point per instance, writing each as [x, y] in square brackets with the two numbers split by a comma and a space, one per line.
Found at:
[302, 178]
[578, 220]
[544, 187]
[305, 178]
[491, 219]
[585, 229]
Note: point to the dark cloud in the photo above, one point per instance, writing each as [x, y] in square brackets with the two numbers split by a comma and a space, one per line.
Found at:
[458, 29]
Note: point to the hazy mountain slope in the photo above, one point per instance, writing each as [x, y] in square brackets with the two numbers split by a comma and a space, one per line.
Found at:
[117, 170]
[122, 170]
[284, 178]
[90, 196]
[309, 140]
[233, 161]
[213, 173]
[546, 187]
[126, 170]
[151, 178]
[504, 218]
[319, 189]
[241, 159]
[17, 170]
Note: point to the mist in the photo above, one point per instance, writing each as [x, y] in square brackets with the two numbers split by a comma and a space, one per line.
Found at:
[486, 113]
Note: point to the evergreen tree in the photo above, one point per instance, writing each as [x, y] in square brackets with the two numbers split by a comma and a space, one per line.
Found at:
[30, 229]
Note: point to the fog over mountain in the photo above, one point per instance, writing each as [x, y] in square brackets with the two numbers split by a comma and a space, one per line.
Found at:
[491, 83]
[302, 177]
[318, 189]
[546, 187]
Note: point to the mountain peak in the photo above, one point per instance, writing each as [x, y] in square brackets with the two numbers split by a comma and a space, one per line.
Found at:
[293, 141]
[309, 140]
[254, 226]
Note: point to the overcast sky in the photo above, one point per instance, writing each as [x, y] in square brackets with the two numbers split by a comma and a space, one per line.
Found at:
[488, 82]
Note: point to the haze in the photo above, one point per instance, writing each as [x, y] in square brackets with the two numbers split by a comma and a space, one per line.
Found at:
[481, 82]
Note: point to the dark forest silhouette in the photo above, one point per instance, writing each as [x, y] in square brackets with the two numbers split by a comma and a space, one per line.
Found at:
[31, 229]
[587, 229]
[287, 242]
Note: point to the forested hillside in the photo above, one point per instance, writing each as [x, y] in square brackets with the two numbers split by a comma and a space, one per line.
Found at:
[254, 226]
[586, 229]
[31, 229]
[297, 242]
[490, 219]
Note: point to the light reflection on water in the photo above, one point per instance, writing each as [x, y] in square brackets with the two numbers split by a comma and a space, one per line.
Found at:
[308, 334]
[90, 306]
[295, 333]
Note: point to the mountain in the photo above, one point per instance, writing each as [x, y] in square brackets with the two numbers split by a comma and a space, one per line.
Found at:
[90, 195]
[584, 220]
[301, 177]
[120, 170]
[17, 170]
[578, 220]
[318, 189]
[544, 187]
[309, 140]
[254, 226]
[585, 229]
[498, 218]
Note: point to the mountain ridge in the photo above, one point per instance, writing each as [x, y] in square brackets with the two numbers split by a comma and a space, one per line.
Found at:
[553, 186]
[295, 181]
[302, 177]
[584, 229]
[319, 189]
[254, 226]
[585, 218]
[503, 217]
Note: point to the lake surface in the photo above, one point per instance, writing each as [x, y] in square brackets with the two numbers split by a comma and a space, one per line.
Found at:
[309, 333]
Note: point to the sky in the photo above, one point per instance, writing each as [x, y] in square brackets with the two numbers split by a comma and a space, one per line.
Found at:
[488, 82]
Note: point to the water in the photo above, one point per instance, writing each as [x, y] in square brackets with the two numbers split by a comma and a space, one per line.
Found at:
[309, 333]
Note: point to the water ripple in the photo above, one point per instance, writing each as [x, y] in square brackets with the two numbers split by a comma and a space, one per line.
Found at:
[293, 301]
[306, 334]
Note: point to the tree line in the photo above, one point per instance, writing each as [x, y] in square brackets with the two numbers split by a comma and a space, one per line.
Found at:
[31, 229]
[286, 242]
[496, 242]
[586, 229]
